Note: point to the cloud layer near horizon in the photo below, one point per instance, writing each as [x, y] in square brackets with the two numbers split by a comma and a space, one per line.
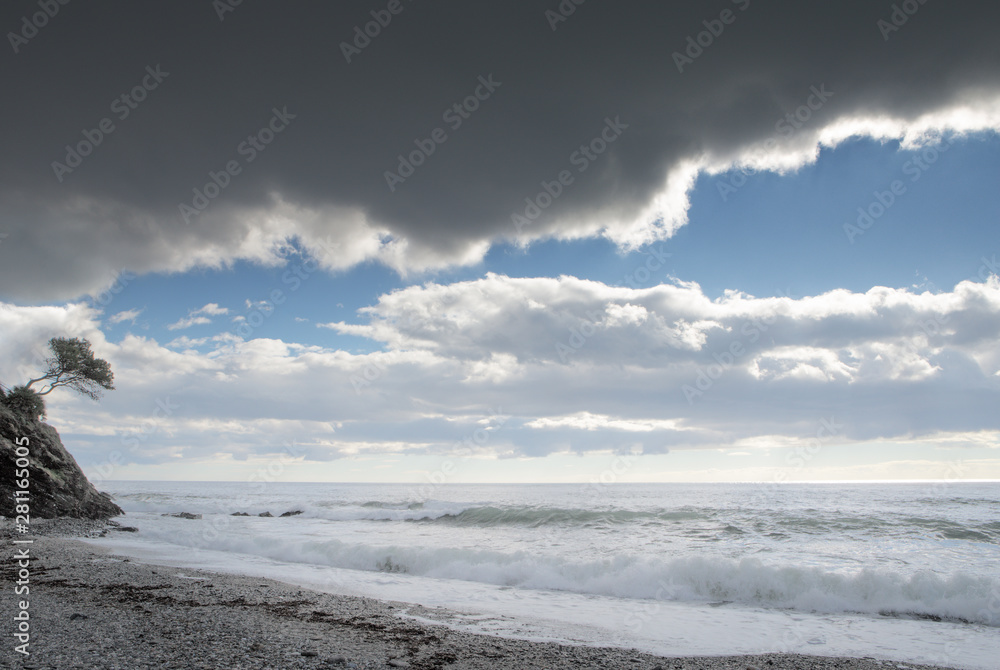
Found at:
[209, 84]
[527, 367]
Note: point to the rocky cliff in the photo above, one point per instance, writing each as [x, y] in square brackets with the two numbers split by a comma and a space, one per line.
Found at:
[57, 486]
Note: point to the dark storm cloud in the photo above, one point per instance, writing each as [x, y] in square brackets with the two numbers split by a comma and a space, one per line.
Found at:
[215, 85]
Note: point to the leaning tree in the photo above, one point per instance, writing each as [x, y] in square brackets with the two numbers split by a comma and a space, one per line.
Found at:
[72, 364]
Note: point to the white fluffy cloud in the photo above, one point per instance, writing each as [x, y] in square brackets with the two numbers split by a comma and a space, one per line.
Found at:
[189, 321]
[884, 334]
[128, 315]
[197, 317]
[211, 309]
[545, 365]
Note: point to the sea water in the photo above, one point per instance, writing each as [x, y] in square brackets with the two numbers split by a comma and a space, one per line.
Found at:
[901, 571]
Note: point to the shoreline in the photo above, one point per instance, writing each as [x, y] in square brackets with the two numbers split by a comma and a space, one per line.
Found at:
[92, 609]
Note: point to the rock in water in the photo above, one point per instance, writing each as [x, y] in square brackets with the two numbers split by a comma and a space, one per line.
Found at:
[57, 486]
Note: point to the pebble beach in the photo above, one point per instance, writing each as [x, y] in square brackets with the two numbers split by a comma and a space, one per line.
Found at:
[90, 609]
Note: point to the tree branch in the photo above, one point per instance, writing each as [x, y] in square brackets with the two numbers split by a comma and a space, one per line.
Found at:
[46, 376]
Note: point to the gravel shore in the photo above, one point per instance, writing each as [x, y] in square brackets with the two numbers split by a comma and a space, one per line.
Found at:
[89, 609]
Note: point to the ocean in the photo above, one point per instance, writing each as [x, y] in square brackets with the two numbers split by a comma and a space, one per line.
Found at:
[900, 571]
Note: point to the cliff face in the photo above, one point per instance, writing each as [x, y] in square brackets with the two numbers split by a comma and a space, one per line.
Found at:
[58, 486]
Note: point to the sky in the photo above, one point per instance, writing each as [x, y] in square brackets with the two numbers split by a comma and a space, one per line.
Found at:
[509, 242]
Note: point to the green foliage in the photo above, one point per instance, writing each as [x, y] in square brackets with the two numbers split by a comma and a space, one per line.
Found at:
[73, 364]
[25, 402]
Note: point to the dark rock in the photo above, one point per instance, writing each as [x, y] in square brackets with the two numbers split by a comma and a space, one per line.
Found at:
[267, 514]
[183, 515]
[310, 652]
[57, 484]
[240, 514]
[294, 513]
[75, 616]
[126, 529]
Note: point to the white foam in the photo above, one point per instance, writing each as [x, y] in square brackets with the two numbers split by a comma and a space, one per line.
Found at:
[696, 578]
[669, 568]
[664, 628]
